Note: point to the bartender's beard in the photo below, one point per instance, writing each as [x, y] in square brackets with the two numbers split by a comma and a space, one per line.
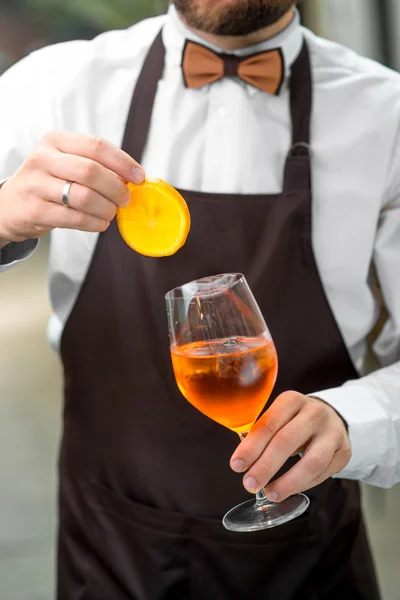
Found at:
[232, 17]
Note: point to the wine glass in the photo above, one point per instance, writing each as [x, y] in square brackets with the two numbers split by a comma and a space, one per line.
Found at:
[225, 365]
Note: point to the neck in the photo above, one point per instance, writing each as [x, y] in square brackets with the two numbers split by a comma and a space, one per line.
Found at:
[226, 42]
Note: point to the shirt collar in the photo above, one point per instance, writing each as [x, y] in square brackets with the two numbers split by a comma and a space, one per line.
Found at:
[175, 33]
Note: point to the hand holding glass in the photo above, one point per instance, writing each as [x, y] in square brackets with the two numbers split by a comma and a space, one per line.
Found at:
[225, 365]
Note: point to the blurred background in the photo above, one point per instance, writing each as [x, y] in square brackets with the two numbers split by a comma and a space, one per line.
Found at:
[30, 375]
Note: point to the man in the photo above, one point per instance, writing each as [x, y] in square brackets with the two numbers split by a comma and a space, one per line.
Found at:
[231, 101]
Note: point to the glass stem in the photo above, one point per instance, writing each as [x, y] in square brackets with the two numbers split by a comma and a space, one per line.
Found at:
[261, 498]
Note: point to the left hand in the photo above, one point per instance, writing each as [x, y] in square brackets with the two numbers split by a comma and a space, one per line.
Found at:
[292, 424]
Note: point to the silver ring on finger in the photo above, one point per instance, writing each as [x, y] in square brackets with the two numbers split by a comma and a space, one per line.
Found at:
[66, 192]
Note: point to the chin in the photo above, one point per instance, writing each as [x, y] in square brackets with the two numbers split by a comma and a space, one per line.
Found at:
[232, 17]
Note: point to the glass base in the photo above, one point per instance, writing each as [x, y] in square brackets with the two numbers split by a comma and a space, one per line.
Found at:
[254, 515]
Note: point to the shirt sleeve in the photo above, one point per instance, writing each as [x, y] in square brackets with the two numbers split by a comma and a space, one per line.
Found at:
[26, 114]
[371, 405]
[14, 253]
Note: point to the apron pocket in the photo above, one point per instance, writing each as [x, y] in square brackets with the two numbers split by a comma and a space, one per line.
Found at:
[271, 564]
[161, 555]
[140, 552]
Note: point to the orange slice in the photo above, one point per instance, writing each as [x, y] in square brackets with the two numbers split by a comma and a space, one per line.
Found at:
[157, 220]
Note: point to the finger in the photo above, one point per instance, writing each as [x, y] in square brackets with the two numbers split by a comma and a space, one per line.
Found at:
[81, 198]
[282, 446]
[338, 463]
[315, 461]
[54, 216]
[88, 173]
[99, 150]
[283, 410]
[298, 451]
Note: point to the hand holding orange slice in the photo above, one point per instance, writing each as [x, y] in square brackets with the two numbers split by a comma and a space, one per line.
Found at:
[156, 222]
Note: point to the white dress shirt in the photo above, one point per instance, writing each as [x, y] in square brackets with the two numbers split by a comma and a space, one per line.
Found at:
[87, 87]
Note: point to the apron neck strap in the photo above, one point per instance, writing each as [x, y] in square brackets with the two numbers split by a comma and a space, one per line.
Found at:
[297, 174]
[139, 119]
[301, 100]
[297, 170]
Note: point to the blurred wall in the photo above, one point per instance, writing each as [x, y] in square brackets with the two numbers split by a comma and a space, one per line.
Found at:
[370, 27]
[353, 23]
[393, 15]
[26, 25]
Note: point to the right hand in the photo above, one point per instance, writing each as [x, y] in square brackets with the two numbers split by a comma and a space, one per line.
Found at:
[31, 201]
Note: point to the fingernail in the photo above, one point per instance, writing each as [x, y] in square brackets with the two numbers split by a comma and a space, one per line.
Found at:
[138, 175]
[238, 465]
[272, 495]
[250, 484]
[127, 199]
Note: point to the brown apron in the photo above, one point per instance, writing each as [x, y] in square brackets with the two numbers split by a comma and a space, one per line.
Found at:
[145, 478]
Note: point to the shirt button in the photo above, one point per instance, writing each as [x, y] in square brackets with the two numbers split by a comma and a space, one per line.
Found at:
[222, 112]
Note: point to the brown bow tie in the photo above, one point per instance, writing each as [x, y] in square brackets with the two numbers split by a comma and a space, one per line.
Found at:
[202, 66]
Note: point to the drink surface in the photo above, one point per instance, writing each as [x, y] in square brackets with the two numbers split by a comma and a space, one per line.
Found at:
[229, 380]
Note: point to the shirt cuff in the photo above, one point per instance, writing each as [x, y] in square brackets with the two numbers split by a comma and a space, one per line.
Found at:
[367, 427]
[16, 252]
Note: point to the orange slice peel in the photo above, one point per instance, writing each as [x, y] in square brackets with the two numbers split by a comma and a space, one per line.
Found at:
[156, 222]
